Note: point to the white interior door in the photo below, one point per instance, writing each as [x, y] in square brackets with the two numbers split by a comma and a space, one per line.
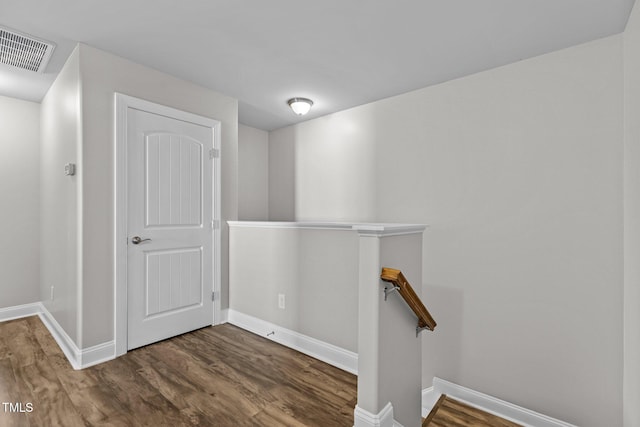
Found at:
[170, 227]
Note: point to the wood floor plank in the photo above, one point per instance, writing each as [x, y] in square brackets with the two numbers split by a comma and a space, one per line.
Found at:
[273, 416]
[449, 412]
[5, 350]
[51, 405]
[464, 411]
[70, 378]
[335, 373]
[218, 376]
[8, 387]
[319, 387]
[226, 368]
[24, 349]
[42, 336]
[304, 407]
[201, 375]
[10, 393]
[434, 411]
[120, 420]
[173, 387]
[96, 404]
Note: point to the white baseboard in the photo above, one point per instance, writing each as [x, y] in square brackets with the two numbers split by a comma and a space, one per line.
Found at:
[490, 404]
[429, 398]
[331, 354]
[19, 311]
[224, 316]
[364, 418]
[78, 358]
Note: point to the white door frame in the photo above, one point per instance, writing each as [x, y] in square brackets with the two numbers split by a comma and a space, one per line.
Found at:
[122, 104]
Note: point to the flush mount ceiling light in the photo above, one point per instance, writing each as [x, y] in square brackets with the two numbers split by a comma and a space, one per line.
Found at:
[300, 106]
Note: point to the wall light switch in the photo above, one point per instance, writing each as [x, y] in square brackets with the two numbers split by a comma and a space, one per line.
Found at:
[70, 169]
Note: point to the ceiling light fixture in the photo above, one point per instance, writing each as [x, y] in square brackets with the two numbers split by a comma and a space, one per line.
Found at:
[300, 106]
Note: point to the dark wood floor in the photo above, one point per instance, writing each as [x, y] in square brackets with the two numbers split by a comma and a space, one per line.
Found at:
[448, 412]
[217, 376]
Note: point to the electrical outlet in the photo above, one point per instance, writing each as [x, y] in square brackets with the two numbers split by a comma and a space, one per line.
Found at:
[281, 301]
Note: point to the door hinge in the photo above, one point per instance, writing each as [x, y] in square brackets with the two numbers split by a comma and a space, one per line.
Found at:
[215, 224]
[214, 153]
[213, 296]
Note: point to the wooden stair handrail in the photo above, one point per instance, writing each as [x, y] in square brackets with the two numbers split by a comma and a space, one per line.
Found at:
[397, 279]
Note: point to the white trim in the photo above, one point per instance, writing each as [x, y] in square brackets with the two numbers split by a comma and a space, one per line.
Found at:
[19, 311]
[296, 225]
[429, 399]
[218, 317]
[97, 354]
[65, 342]
[120, 225]
[490, 404]
[80, 208]
[329, 353]
[384, 418]
[386, 230]
[224, 316]
[365, 229]
[121, 104]
[79, 358]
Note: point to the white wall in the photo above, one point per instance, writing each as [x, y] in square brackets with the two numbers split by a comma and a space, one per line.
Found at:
[282, 177]
[19, 193]
[60, 143]
[102, 75]
[307, 266]
[253, 174]
[518, 172]
[632, 221]
[77, 212]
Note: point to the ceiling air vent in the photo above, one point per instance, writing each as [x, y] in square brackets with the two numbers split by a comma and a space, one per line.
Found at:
[23, 51]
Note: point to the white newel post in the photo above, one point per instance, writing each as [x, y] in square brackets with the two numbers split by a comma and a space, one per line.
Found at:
[389, 353]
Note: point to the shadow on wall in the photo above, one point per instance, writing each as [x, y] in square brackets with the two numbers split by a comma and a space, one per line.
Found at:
[442, 348]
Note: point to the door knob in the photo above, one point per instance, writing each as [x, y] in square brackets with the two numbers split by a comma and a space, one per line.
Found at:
[137, 240]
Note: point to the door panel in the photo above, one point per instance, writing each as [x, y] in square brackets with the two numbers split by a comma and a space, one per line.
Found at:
[173, 198]
[172, 280]
[170, 203]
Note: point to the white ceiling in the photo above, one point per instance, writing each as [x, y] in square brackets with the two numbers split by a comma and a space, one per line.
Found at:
[340, 53]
